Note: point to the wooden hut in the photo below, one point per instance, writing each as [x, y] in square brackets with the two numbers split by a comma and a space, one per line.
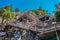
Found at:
[29, 22]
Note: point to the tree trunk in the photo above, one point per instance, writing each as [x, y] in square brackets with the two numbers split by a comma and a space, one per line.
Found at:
[57, 36]
[2, 23]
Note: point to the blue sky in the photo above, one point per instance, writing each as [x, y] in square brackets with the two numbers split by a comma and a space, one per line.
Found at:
[31, 4]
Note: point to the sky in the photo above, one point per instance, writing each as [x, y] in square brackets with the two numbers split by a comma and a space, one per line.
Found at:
[31, 4]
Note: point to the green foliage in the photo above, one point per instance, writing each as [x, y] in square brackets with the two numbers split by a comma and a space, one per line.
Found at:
[40, 11]
[57, 6]
[7, 13]
[50, 37]
[17, 10]
[57, 13]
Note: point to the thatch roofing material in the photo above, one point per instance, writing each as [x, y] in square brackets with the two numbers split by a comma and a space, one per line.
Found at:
[46, 17]
[27, 13]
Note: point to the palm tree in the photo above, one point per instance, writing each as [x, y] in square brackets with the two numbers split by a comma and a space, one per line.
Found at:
[7, 14]
[57, 17]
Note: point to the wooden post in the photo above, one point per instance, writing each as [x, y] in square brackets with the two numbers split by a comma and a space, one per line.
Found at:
[56, 32]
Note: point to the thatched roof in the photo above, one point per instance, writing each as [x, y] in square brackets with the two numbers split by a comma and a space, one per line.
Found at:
[47, 17]
[29, 14]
